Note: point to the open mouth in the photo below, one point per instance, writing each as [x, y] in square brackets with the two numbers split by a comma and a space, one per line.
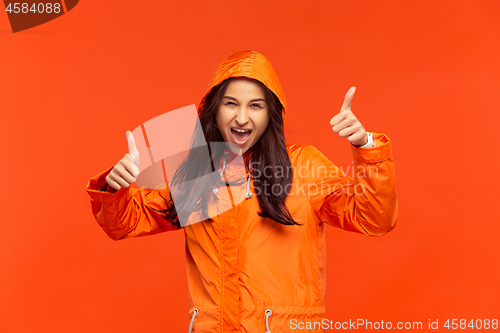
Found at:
[240, 136]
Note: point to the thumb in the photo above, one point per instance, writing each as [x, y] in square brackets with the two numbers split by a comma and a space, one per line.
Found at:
[133, 153]
[348, 99]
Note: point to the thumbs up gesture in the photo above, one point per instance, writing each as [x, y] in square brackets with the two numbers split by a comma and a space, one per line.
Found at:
[126, 170]
[347, 125]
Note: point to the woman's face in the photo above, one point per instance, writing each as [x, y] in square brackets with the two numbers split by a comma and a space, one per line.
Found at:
[243, 115]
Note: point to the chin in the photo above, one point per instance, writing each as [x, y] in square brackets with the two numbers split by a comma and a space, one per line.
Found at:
[236, 149]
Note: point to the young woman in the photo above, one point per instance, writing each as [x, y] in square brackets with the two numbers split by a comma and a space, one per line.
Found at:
[257, 261]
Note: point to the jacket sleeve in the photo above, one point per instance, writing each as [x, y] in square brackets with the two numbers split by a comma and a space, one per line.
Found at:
[129, 212]
[366, 203]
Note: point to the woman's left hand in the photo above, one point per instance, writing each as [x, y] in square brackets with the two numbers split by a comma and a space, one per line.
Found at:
[345, 123]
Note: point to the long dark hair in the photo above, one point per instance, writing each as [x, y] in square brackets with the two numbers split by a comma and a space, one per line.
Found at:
[189, 174]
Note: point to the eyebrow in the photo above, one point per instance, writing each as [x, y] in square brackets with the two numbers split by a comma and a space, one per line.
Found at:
[253, 100]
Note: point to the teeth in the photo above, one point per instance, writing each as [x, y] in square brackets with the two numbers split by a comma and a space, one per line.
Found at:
[241, 131]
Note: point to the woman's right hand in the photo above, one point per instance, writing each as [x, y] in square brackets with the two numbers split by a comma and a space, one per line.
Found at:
[126, 170]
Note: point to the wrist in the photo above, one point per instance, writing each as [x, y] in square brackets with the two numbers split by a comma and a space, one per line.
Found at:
[370, 142]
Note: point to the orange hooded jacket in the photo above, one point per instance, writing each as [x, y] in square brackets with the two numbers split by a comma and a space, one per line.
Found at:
[247, 273]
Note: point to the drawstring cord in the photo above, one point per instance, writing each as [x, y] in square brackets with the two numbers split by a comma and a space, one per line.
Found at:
[268, 314]
[248, 195]
[226, 156]
[195, 312]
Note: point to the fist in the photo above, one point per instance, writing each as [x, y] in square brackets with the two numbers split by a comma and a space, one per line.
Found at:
[127, 169]
[347, 125]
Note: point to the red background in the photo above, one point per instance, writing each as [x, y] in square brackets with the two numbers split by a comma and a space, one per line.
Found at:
[427, 74]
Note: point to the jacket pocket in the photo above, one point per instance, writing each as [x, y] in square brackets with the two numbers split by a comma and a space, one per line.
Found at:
[285, 318]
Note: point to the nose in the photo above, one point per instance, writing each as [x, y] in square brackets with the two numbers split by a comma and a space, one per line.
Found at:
[242, 117]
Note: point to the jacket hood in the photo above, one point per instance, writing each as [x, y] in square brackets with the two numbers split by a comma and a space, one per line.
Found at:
[249, 64]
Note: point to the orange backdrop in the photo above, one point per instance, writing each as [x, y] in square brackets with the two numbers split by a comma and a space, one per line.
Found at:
[427, 74]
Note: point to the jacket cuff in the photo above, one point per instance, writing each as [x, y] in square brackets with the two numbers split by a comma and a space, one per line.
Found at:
[381, 152]
[96, 185]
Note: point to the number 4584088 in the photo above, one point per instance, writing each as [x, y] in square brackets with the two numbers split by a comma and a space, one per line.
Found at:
[478, 324]
[35, 8]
